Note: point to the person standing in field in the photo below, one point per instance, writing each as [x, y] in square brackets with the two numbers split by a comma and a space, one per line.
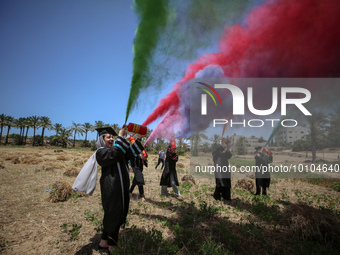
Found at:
[113, 157]
[221, 155]
[160, 158]
[262, 174]
[169, 175]
[137, 167]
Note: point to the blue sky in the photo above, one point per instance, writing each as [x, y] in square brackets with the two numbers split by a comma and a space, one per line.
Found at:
[69, 61]
[72, 62]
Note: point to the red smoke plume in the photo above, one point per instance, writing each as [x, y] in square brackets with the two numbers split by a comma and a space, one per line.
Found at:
[281, 38]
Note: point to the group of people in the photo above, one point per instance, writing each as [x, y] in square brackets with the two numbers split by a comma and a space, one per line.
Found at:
[221, 154]
[115, 156]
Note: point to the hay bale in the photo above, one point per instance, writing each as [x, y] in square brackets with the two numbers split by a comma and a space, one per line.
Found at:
[246, 184]
[180, 165]
[61, 191]
[312, 224]
[31, 160]
[62, 158]
[188, 178]
[16, 160]
[72, 172]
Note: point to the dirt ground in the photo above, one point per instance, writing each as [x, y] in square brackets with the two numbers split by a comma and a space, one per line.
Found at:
[31, 224]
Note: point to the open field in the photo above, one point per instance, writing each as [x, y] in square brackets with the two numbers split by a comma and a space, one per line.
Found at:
[296, 218]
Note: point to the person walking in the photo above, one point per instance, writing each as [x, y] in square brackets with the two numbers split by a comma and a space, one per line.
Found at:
[160, 158]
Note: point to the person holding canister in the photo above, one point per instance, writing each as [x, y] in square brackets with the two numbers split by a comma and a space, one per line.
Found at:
[113, 156]
[221, 155]
[169, 175]
[262, 175]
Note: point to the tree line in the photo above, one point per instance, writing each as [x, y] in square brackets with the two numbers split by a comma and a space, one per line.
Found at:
[62, 134]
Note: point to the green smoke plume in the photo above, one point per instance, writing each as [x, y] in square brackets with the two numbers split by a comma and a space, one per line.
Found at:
[153, 18]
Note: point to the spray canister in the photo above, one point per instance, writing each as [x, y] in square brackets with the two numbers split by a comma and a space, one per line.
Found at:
[135, 128]
[144, 154]
[267, 151]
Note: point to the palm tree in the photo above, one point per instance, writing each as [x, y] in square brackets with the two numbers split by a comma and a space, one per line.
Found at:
[76, 128]
[45, 122]
[98, 124]
[27, 123]
[2, 124]
[316, 124]
[241, 145]
[8, 122]
[34, 122]
[57, 127]
[195, 141]
[334, 128]
[64, 134]
[86, 127]
[216, 140]
[20, 123]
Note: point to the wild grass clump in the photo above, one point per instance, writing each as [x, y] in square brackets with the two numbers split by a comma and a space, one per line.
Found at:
[188, 178]
[61, 191]
[72, 172]
[246, 184]
[313, 225]
[62, 158]
[31, 160]
[139, 241]
[180, 165]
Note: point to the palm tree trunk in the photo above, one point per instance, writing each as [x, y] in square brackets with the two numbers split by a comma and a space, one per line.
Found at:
[313, 151]
[42, 136]
[26, 134]
[21, 135]
[33, 137]
[6, 142]
[1, 133]
[74, 139]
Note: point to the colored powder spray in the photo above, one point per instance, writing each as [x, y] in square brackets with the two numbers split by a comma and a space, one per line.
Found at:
[153, 18]
[285, 38]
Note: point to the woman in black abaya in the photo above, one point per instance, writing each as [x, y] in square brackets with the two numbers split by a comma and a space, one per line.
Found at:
[113, 157]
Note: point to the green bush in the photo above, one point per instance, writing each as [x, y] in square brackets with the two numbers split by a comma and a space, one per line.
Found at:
[336, 186]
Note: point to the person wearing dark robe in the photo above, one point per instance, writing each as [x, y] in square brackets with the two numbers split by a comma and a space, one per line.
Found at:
[262, 174]
[138, 179]
[221, 155]
[113, 157]
[169, 175]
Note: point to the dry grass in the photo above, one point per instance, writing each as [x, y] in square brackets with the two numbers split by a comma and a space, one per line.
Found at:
[312, 225]
[72, 172]
[31, 160]
[63, 158]
[60, 192]
[188, 178]
[30, 222]
[246, 184]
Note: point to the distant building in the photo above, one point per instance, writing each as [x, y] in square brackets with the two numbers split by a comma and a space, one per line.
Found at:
[289, 135]
[251, 141]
